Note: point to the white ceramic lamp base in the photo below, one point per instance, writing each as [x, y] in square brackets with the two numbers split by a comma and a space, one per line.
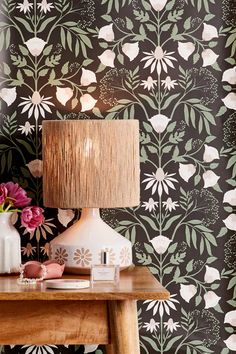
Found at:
[80, 245]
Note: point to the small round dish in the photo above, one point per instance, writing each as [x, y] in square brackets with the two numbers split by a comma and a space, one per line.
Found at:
[67, 283]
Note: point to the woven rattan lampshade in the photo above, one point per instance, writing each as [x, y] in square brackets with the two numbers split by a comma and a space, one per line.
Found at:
[91, 163]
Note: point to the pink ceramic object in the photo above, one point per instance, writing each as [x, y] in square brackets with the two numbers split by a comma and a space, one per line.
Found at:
[47, 270]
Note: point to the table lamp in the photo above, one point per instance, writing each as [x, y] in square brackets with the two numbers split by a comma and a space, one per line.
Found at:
[90, 164]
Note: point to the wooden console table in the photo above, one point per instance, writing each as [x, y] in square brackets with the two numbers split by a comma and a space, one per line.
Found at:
[104, 315]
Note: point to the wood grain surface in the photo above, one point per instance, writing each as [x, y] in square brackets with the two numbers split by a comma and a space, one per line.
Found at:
[135, 284]
[53, 322]
[124, 327]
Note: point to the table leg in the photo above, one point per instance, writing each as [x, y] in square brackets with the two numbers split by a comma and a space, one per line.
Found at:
[124, 327]
[110, 349]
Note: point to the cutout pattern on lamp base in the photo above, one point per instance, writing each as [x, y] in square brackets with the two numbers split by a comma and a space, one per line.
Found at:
[80, 245]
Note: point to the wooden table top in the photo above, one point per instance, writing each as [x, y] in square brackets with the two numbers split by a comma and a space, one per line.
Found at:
[135, 284]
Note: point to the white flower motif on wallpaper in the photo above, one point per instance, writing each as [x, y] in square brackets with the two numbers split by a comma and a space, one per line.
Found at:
[25, 7]
[107, 33]
[211, 274]
[159, 60]
[230, 76]
[160, 181]
[8, 95]
[159, 122]
[185, 49]
[65, 216]
[87, 102]
[39, 349]
[149, 83]
[151, 326]
[210, 153]
[230, 318]
[158, 5]
[209, 32]
[230, 222]
[150, 205]
[162, 306]
[210, 179]
[160, 244]
[170, 205]
[87, 77]
[45, 6]
[36, 168]
[230, 197]
[64, 94]
[36, 105]
[211, 299]
[168, 83]
[171, 326]
[209, 57]
[186, 171]
[187, 292]
[35, 46]
[230, 101]
[231, 342]
[107, 58]
[27, 128]
[131, 50]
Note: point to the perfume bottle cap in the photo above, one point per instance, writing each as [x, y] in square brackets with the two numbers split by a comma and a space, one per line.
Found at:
[104, 257]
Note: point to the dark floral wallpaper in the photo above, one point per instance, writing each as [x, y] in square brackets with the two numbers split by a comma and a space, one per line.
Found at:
[170, 64]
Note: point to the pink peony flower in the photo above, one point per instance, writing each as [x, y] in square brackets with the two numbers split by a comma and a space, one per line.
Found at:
[32, 217]
[17, 194]
[3, 193]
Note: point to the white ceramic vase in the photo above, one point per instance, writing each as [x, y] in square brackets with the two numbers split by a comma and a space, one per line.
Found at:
[10, 248]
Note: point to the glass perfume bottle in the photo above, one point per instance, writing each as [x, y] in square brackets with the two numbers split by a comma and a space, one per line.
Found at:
[105, 272]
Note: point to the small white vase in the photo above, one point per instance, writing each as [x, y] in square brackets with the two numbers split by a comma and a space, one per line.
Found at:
[10, 248]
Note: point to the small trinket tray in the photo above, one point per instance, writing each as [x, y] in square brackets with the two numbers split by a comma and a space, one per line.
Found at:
[67, 284]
